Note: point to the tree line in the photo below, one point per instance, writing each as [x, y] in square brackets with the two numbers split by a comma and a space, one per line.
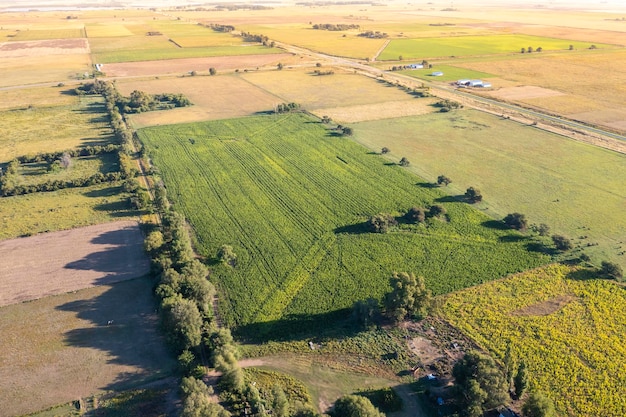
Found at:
[335, 27]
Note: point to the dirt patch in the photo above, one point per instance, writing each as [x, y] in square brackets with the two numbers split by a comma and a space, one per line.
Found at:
[173, 66]
[42, 48]
[546, 307]
[524, 92]
[379, 111]
[60, 262]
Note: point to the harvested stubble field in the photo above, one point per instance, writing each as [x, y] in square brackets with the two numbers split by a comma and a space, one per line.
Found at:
[184, 66]
[33, 130]
[291, 198]
[20, 98]
[326, 91]
[60, 210]
[462, 46]
[599, 100]
[378, 111]
[34, 69]
[551, 179]
[35, 35]
[564, 324]
[219, 97]
[70, 260]
[59, 349]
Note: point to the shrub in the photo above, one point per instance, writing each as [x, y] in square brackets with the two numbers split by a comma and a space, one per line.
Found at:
[516, 221]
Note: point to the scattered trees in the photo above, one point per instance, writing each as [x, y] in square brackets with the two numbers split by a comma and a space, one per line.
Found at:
[355, 406]
[287, 108]
[408, 297]
[404, 162]
[538, 405]
[562, 243]
[381, 223]
[516, 221]
[479, 383]
[612, 270]
[442, 179]
[447, 105]
[473, 195]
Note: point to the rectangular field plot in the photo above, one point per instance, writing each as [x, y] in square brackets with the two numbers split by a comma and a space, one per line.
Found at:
[71, 260]
[50, 129]
[58, 349]
[64, 209]
[314, 92]
[36, 69]
[450, 73]
[34, 35]
[292, 199]
[219, 97]
[20, 98]
[80, 167]
[106, 30]
[549, 178]
[460, 46]
[559, 326]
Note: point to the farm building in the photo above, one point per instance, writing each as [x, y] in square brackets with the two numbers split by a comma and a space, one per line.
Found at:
[437, 74]
[476, 83]
[473, 83]
[416, 66]
[464, 82]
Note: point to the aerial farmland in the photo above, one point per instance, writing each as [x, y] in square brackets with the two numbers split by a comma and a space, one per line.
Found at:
[312, 209]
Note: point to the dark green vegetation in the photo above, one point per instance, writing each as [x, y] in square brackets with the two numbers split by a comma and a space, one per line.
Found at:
[292, 199]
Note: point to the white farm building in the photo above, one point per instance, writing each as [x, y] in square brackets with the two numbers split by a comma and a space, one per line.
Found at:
[473, 83]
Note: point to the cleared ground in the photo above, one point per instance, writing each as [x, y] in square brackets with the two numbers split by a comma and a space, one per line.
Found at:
[46, 68]
[219, 97]
[186, 65]
[74, 259]
[549, 178]
[59, 349]
[387, 110]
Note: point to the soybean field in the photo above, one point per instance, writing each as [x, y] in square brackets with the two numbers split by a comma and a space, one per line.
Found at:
[291, 197]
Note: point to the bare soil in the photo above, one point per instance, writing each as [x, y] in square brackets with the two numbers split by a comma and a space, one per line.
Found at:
[387, 110]
[60, 262]
[546, 307]
[185, 65]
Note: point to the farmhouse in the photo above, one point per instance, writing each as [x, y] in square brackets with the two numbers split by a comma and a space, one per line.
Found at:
[437, 74]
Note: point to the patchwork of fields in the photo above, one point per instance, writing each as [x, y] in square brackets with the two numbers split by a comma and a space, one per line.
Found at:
[291, 198]
[566, 327]
[549, 178]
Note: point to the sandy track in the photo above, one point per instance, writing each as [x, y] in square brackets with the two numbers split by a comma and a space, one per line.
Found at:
[60, 262]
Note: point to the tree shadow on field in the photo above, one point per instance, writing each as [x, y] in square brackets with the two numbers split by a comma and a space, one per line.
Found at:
[451, 199]
[427, 185]
[122, 256]
[583, 274]
[353, 229]
[121, 322]
[495, 224]
[540, 247]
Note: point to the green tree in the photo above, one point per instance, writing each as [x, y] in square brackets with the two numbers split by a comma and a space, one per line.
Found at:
[227, 256]
[380, 223]
[212, 71]
[183, 322]
[611, 270]
[404, 162]
[415, 215]
[197, 400]
[473, 195]
[409, 297]
[520, 382]
[154, 242]
[538, 405]
[479, 382]
[280, 404]
[516, 221]
[385, 150]
[442, 179]
[436, 210]
[365, 312]
[355, 406]
[562, 243]
[279, 66]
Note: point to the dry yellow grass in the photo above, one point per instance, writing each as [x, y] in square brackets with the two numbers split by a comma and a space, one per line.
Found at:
[328, 91]
[218, 97]
[106, 30]
[35, 70]
[19, 98]
[378, 111]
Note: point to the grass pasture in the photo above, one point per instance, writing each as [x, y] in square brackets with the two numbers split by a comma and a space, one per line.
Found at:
[36, 35]
[317, 92]
[106, 30]
[32, 130]
[291, 199]
[81, 167]
[219, 97]
[559, 325]
[463, 46]
[64, 209]
[62, 348]
[20, 98]
[549, 178]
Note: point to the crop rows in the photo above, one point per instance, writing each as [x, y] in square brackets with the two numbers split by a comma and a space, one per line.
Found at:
[568, 331]
[291, 199]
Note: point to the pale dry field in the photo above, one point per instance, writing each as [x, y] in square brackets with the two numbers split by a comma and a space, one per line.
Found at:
[186, 65]
[525, 92]
[328, 91]
[19, 98]
[70, 260]
[59, 349]
[218, 97]
[378, 111]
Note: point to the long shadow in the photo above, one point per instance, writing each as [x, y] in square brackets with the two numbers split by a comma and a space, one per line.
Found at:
[541, 248]
[495, 224]
[121, 322]
[451, 199]
[427, 185]
[121, 258]
[103, 192]
[352, 229]
[583, 274]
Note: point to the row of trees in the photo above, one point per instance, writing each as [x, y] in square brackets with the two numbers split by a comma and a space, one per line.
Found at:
[335, 27]
[384, 222]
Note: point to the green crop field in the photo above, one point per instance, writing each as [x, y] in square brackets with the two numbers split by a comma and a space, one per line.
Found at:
[549, 178]
[63, 209]
[450, 73]
[27, 131]
[474, 45]
[37, 35]
[568, 331]
[291, 199]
